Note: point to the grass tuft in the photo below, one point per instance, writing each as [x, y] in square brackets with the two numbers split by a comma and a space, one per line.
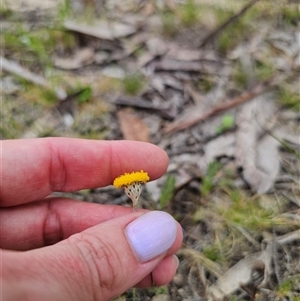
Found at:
[133, 83]
[291, 14]
[189, 13]
[289, 99]
[167, 191]
[208, 181]
[169, 24]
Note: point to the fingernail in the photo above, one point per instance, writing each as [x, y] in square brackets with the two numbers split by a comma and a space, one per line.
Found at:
[183, 232]
[176, 260]
[151, 234]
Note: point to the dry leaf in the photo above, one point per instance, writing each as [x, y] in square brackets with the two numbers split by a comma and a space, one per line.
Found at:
[132, 127]
[221, 146]
[184, 54]
[156, 46]
[257, 157]
[30, 5]
[238, 275]
[148, 9]
[83, 57]
[207, 66]
[102, 30]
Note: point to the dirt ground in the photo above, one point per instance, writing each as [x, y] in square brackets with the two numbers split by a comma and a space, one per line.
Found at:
[213, 83]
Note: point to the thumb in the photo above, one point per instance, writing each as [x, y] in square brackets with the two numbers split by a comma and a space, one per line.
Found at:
[99, 263]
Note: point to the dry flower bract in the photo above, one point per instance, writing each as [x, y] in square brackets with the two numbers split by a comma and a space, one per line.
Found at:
[132, 184]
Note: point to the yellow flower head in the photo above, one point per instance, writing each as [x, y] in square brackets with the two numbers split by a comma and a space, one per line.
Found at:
[129, 178]
[132, 184]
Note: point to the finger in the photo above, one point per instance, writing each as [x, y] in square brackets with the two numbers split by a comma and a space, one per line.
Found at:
[98, 264]
[34, 168]
[43, 223]
[163, 273]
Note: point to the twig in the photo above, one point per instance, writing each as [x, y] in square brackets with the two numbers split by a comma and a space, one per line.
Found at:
[288, 238]
[229, 21]
[246, 96]
[138, 102]
[18, 70]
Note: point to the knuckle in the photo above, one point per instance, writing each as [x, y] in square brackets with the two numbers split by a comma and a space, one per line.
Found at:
[52, 228]
[58, 176]
[103, 263]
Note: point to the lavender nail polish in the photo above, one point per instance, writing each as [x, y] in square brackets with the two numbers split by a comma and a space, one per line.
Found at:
[151, 234]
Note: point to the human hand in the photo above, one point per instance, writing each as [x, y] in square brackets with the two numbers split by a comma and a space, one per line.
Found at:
[78, 250]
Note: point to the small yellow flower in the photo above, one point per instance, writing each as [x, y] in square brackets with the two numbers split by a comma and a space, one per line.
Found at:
[132, 184]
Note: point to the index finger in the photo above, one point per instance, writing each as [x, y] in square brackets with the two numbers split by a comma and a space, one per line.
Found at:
[34, 168]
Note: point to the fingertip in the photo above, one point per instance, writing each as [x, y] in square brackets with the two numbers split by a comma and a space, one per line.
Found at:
[176, 261]
[147, 156]
[151, 235]
[178, 241]
[163, 273]
[44, 165]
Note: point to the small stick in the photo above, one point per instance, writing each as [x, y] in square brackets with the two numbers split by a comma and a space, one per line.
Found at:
[18, 70]
[229, 21]
[257, 90]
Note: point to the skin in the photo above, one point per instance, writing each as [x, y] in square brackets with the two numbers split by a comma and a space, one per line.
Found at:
[64, 249]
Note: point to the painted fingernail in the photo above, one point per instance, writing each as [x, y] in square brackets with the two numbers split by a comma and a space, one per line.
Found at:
[151, 234]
